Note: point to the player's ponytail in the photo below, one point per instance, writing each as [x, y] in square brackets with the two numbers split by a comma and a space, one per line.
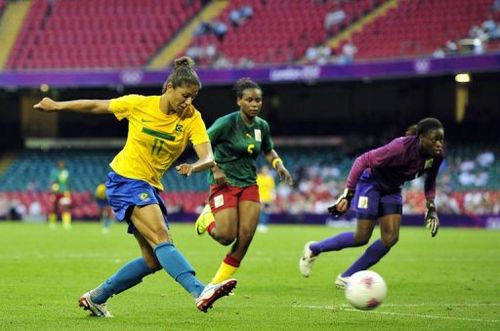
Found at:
[183, 73]
[411, 130]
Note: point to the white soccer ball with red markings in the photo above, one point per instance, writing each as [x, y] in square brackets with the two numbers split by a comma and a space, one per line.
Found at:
[366, 290]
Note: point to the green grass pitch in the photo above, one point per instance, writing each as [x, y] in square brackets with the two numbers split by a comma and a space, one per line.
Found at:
[451, 282]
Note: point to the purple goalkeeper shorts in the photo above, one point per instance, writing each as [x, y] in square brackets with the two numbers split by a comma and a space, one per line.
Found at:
[370, 202]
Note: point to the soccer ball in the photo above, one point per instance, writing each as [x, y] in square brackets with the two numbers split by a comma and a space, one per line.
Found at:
[365, 290]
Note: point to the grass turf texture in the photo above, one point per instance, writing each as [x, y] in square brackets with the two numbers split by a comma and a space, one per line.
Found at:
[443, 283]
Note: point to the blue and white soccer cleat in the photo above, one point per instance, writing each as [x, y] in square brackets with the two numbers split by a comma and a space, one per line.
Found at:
[213, 292]
[98, 310]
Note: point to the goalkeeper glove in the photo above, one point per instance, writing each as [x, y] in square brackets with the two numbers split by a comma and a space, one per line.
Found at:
[347, 195]
[431, 218]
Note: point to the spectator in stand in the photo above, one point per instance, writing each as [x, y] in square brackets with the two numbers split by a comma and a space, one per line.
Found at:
[490, 28]
[447, 204]
[485, 159]
[239, 16]
[202, 29]
[451, 47]
[220, 61]
[349, 50]
[219, 29]
[235, 18]
[439, 53]
[245, 62]
[496, 5]
[333, 18]
[319, 54]
[247, 12]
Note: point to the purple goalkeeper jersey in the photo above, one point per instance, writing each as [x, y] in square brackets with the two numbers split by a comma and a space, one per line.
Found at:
[395, 163]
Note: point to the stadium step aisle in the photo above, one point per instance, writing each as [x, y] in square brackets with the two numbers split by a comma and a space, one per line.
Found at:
[177, 44]
[357, 26]
[11, 21]
[419, 27]
[6, 160]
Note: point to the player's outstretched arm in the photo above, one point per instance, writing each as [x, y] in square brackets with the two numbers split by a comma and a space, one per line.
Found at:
[82, 106]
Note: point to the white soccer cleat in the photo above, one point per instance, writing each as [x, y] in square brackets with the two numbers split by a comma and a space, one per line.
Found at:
[95, 309]
[307, 260]
[341, 282]
[213, 292]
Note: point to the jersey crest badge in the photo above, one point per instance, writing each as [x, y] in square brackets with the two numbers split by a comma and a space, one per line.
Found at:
[218, 201]
[144, 196]
[363, 203]
[428, 163]
[179, 128]
[258, 135]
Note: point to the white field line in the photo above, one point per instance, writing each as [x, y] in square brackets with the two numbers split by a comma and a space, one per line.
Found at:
[425, 316]
[345, 307]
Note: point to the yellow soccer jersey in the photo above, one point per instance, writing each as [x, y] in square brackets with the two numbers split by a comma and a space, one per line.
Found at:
[155, 140]
[266, 187]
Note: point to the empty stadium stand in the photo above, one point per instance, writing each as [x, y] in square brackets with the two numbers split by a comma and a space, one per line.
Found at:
[280, 31]
[97, 34]
[68, 34]
[415, 28]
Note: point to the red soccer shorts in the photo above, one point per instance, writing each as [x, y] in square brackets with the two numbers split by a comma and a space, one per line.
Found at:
[225, 196]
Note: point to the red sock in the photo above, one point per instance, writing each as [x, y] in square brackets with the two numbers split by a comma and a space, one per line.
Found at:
[232, 261]
[210, 227]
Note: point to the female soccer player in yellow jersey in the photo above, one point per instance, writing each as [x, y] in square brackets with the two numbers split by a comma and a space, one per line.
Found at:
[232, 214]
[159, 129]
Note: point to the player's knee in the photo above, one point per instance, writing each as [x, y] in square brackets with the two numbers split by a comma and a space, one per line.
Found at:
[153, 264]
[361, 238]
[390, 240]
[158, 236]
[226, 240]
[151, 260]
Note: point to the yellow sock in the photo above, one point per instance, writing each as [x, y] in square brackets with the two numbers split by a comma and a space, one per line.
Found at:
[225, 272]
[52, 219]
[66, 219]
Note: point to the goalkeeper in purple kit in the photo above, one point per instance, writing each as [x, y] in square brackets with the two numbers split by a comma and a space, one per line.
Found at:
[373, 189]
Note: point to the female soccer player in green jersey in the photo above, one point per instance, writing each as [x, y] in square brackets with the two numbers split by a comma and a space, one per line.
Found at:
[160, 127]
[232, 214]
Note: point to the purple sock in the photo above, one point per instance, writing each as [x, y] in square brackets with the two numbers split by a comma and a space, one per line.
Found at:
[335, 243]
[372, 255]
